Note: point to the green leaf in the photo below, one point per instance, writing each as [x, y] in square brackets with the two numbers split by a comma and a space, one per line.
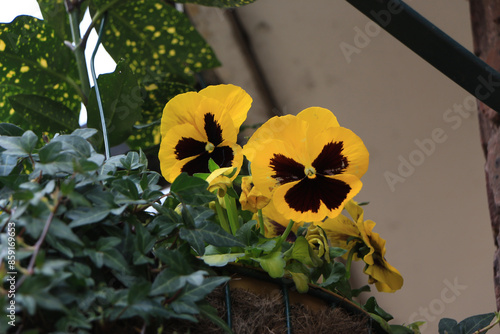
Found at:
[156, 94]
[301, 251]
[34, 60]
[217, 236]
[300, 276]
[85, 215]
[336, 252]
[191, 190]
[194, 238]
[156, 46]
[7, 164]
[273, 263]
[169, 281]
[214, 257]
[372, 307]
[54, 14]
[7, 129]
[336, 273]
[138, 292]
[113, 259]
[62, 231]
[19, 146]
[44, 114]
[209, 312]
[195, 293]
[50, 152]
[219, 3]
[466, 326]
[446, 326]
[121, 100]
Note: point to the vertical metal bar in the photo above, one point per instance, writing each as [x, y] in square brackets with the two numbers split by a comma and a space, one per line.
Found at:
[97, 93]
[229, 312]
[435, 47]
[286, 299]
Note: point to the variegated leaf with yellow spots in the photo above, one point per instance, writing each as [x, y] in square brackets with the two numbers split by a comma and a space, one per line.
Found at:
[33, 60]
[155, 39]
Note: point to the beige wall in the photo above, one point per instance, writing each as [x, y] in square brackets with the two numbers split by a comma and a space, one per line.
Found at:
[434, 216]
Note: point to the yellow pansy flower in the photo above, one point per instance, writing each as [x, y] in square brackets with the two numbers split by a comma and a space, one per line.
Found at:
[386, 277]
[197, 127]
[251, 199]
[340, 229]
[308, 164]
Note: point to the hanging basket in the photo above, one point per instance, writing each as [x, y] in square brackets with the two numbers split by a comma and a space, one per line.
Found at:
[253, 302]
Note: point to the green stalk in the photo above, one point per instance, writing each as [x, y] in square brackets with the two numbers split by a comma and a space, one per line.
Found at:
[287, 231]
[222, 217]
[261, 222]
[348, 263]
[79, 51]
[232, 213]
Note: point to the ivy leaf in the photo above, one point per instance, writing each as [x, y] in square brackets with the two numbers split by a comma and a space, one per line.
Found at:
[44, 114]
[372, 307]
[191, 190]
[467, 326]
[121, 100]
[35, 61]
[219, 3]
[446, 326]
[7, 129]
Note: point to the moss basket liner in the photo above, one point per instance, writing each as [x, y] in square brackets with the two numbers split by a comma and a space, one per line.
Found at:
[258, 305]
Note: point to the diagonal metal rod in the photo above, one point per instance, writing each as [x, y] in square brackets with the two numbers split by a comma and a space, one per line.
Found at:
[435, 47]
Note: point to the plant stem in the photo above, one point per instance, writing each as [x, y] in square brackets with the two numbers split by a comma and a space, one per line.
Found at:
[40, 241]
[287, 231]
[348, 263]
[261, 222]
[232, 213]
[79, 50]
[222, 217]
[490, 326]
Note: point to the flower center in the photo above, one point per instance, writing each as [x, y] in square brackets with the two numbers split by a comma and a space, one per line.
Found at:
[310, 172]
[209, 147]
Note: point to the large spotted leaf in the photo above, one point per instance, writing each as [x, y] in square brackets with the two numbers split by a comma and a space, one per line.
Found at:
[156, 95]
[122, 101]
[54, 14]
[219, 3]
[33, 60]
[43, 114]
[155, 39]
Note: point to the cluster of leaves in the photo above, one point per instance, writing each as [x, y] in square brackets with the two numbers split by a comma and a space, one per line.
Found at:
[87, 252]
[480, 323]
[44, 80]
[90, 252]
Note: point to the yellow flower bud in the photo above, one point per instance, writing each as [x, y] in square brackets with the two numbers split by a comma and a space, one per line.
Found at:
[251, 199]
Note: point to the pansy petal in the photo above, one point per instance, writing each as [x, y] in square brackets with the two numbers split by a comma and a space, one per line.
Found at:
[212, 120]
[286, 129]
[383, 272]
[181, 142]
[343, 148]
[318, 119]
[181, 109]
[355, 211]
[263, 171]
[237, 102]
